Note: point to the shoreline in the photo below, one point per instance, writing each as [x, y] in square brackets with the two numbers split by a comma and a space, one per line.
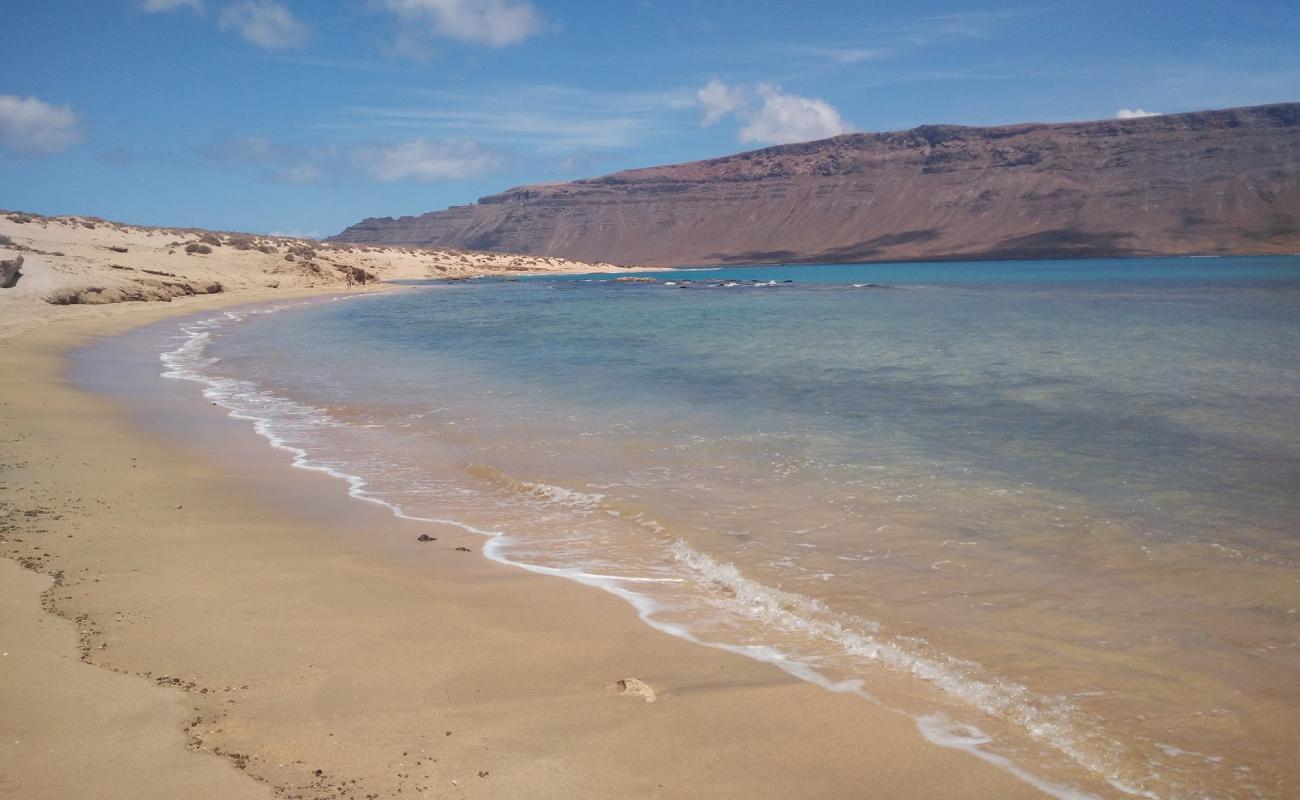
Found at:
[209, 572]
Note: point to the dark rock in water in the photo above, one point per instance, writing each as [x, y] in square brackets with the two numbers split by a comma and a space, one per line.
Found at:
[424, 537]
[635, 279]
[10, 272]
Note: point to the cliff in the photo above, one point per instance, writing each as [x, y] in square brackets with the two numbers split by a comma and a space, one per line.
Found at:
[1207, 182]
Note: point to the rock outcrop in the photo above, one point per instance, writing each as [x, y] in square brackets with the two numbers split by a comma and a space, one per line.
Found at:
[10, 272]
[1216, 182]
[141, 289]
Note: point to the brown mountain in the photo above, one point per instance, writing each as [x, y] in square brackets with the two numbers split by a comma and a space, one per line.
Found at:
[1206, 182]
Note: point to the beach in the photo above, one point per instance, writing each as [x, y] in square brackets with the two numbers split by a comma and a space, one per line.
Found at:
[1040, 541]
[218, 624]
[539, 399]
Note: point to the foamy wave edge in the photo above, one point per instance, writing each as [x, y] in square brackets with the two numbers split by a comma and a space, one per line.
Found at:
[190, 359]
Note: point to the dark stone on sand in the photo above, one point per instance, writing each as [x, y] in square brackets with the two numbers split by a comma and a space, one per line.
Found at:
[424, 537]
[463, 550]
[10, 272]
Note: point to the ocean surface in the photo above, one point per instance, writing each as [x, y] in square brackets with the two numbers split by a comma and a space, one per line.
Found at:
[1050, 510]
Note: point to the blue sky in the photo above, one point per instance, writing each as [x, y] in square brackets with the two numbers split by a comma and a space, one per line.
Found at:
[303, 117]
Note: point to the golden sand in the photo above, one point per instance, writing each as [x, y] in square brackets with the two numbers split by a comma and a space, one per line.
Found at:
[199, 622]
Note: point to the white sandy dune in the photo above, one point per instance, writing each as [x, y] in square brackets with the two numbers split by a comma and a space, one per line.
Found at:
[72, 261]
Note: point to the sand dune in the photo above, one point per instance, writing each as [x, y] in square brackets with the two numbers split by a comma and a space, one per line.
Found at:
[72, 261]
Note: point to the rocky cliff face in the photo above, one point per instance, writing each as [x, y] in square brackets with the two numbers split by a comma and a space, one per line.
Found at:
[1208, 182]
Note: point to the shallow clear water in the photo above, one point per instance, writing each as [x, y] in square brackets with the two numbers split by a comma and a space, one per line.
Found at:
[1049, 509]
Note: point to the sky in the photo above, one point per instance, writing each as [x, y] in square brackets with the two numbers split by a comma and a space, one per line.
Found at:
[302, 117]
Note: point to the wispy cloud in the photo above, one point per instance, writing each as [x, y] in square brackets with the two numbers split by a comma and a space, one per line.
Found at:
[428, 160]
[250, 150]
[881, 44]
[300, 174]
[839, 55]
[551, 120]
[31, 126]
[938, 28]
[544, 131]
[266, 24]
[360, 65]
[495, 23]
[1135, 113]
[379, 160]
[161, 6]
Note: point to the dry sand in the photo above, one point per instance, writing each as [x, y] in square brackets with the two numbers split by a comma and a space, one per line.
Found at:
[209, 622]
[70, 261]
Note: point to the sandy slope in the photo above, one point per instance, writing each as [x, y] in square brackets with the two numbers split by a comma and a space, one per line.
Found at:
[88, 261]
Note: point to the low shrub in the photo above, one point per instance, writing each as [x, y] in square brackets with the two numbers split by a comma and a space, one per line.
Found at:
[195, 247]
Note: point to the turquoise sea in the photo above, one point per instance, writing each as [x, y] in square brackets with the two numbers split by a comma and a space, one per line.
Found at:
[1049, 509]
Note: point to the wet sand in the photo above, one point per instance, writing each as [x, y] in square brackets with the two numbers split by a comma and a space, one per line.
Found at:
[219, 624]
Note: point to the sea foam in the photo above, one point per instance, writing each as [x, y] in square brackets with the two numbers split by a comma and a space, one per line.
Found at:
[285, 423]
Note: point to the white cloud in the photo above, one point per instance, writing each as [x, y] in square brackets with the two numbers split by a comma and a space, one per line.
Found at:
[770, 115]
[266, 24]
[158, 6]
[718, 100]
[33, 127]
[496, 23]
[427, 160]
[1134, 113]
[786, 118]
